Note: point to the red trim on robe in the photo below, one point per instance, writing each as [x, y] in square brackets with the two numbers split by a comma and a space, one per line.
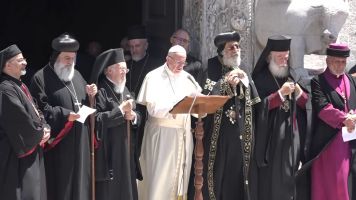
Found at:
[274, 101]
[96, 143]
[302, 100]
[28, 153]
[67, 127]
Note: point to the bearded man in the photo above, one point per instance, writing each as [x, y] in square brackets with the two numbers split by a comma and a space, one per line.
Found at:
[60, 91]
[140, 64]
[280, 125]
[229, 132]
[115, 158]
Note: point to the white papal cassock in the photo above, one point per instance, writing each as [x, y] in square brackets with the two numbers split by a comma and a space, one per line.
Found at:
[168, 142]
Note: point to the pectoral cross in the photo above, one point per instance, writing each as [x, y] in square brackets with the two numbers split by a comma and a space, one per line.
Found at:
[285, 105]
[77, 103]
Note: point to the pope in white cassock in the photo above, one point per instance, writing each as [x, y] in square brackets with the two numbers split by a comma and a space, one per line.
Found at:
[167, 147]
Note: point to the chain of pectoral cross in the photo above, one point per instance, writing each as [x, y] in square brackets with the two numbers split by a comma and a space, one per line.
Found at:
[114, 93]
[285, 105]
[74, 94]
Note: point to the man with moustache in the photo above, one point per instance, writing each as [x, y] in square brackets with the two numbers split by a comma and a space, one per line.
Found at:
[140, 64]
[229, 132]
[167, 145]
[23, 132]
[141, 61]
[60, 91]
[116, 160]
[281, 120]
[193, 65]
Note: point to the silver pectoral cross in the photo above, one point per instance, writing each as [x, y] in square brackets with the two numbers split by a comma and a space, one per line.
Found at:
[77, 103]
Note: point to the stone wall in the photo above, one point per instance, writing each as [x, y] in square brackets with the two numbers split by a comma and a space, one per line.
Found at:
[205, 19]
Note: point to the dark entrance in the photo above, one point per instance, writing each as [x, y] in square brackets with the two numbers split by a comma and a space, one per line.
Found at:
[33, 24]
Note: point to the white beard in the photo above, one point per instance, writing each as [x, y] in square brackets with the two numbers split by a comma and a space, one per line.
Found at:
[233, 61]
[277, 71]
[23, 72]
[64, 73]
[119, 88]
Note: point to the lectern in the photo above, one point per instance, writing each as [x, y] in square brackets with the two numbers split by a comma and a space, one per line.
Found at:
[199, 105]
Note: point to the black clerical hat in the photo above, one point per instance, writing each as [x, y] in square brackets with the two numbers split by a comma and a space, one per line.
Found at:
[8, 53]
[221, 39]
[65, 43]
[104, 60]
[338, 50]
[136, 32]
[279, 43]
[274, 43]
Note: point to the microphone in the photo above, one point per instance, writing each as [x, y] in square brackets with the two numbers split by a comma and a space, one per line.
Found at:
[190, 77]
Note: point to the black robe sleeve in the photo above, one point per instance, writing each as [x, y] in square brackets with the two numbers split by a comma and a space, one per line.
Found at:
[23, 130]
[109, 117]
[54, 115]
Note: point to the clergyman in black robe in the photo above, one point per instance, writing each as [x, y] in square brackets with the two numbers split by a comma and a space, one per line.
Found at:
[60, 90]
[140, 64]
[115, 162]
[23, 132]
[229, 132]
[280, 124]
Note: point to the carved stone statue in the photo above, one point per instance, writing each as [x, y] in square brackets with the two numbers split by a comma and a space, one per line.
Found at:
[312, 24]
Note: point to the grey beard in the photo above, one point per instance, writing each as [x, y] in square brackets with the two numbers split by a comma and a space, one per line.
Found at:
[137, 58]
[233, 62]
[23, 72]
[119, 88]
[64, 72]
[277, 71]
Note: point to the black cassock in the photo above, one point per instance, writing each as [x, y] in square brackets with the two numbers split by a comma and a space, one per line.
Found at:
[228, 139]
[115, 168]
[68, 163]
[196, 69]
[21, 130]
[279, 149]
[134, 79]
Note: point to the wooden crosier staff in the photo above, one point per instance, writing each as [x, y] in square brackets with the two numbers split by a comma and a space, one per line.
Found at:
[92, 148]
[128, 127]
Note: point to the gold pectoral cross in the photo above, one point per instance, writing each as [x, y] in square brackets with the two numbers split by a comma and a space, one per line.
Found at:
[285, 105]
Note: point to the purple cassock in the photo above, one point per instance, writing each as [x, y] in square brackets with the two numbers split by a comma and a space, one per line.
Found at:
[330, 171]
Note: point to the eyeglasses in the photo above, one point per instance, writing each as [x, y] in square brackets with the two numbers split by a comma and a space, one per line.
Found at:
[178, 62]
[181, 40]
[233, 47]
[124, 70]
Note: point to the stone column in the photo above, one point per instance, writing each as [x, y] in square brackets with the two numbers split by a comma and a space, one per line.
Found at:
[206, 19]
